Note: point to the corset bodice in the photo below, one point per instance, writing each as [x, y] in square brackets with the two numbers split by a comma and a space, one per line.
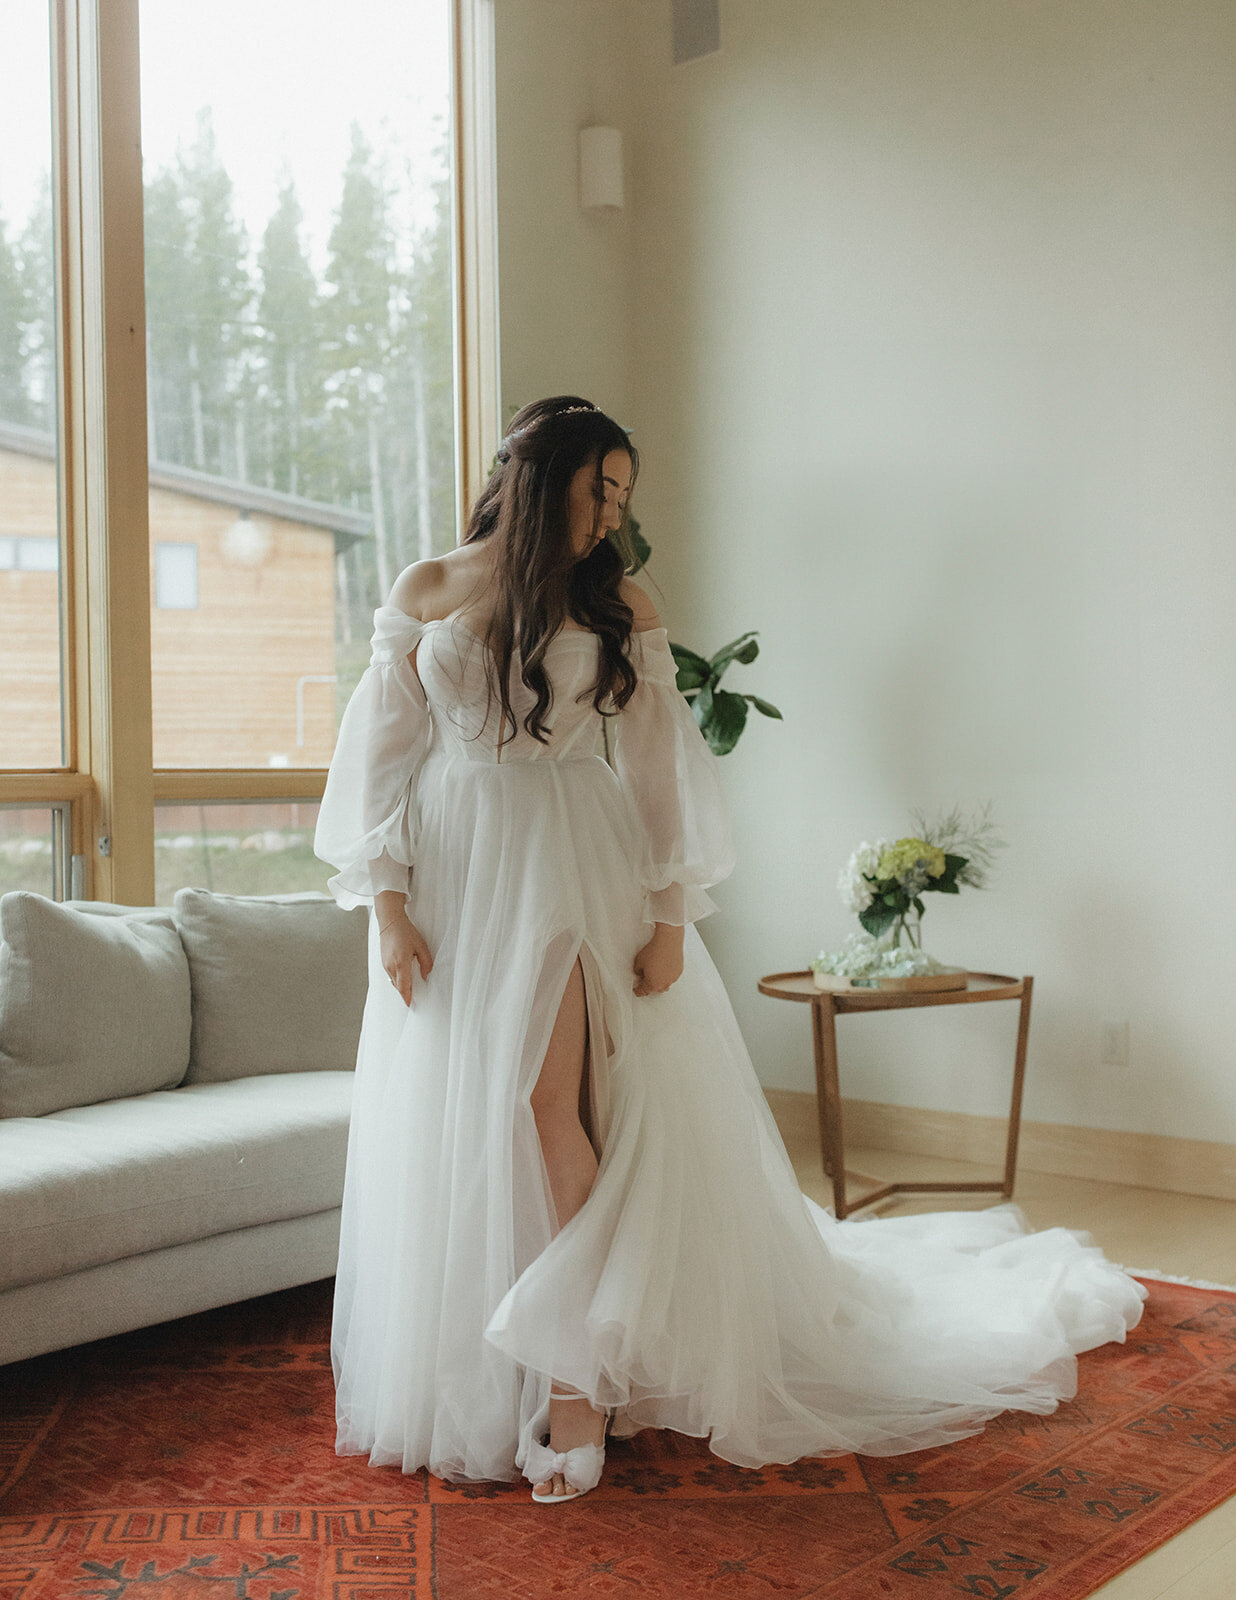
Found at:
[450, 663]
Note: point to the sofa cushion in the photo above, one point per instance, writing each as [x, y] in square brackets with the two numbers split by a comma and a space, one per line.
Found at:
[92, 1007]
[279, 982]
[99, 1183]
[113, 908]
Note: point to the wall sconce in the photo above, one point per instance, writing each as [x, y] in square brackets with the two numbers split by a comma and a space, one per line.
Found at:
[600, 168]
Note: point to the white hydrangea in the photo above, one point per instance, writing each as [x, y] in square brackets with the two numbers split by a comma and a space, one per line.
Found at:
[861, 956]
[852, 885]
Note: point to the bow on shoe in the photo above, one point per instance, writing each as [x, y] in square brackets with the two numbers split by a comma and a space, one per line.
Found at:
[581, 1467]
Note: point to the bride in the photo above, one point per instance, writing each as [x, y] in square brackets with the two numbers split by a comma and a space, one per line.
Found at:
[567, 1207]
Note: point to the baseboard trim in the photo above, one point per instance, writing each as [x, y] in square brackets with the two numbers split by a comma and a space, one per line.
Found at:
[1144, 1160]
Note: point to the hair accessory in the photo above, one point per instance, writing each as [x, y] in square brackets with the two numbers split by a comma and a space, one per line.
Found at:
[504, 450]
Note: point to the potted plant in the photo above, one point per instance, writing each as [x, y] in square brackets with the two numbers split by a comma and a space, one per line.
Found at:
[721, 713]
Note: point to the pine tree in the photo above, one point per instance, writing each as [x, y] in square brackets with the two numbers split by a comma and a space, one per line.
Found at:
[423, 416]
[290, 394]
[221, 332]
[38, 273]
[14, 322]
[434, 302]
[358, 324]
[170, 318]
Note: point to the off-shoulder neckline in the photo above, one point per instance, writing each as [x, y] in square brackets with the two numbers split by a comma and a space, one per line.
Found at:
[457, 622]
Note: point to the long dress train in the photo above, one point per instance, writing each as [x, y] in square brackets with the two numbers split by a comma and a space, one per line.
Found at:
[697, 1288]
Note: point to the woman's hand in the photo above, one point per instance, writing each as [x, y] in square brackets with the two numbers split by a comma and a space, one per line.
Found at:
[659, 963]
[403, 944]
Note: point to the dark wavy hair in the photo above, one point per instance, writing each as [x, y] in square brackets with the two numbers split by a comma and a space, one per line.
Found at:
[540, 581]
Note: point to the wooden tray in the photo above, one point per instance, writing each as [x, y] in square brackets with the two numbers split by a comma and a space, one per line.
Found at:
[918, 983]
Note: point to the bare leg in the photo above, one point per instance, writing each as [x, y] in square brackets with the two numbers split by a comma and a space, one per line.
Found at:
[569, 1156]
[572, 1166]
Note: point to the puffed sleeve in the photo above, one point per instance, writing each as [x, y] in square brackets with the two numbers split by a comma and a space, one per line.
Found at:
[367, 819]
[674, 783]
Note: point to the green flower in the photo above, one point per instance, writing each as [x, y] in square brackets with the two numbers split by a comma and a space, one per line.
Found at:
[900, 859]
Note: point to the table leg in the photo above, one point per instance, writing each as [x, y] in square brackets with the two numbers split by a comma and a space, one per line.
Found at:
[1019, 1079]
[828, 1096]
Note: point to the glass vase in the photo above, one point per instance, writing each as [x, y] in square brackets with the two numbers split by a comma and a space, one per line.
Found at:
[907, 931]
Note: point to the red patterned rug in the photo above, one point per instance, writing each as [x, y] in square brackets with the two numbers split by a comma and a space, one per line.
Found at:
[194, 1461]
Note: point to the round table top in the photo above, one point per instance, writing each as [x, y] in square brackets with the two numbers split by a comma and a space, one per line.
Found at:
[979, 986]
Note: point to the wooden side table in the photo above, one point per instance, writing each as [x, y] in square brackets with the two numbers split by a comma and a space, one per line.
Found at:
[828, 1005]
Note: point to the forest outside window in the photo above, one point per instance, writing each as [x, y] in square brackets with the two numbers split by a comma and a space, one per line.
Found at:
[299, 356]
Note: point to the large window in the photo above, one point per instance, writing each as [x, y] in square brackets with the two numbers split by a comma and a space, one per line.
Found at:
[194, 533]
[299, 355]
[31, 642]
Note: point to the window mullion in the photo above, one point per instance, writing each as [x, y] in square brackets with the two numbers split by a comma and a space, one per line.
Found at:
[477, 387]
[103, 414]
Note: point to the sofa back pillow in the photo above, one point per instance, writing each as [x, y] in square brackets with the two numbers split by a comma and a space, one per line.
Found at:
[279, 982]
[94, 1005]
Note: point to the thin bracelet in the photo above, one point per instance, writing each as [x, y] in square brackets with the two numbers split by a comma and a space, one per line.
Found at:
[383, 926]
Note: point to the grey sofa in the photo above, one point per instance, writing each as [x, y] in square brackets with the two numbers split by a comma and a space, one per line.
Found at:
[174, 1095]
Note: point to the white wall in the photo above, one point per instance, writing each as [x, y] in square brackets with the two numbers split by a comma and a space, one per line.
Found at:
[930, 353]
[565, 273]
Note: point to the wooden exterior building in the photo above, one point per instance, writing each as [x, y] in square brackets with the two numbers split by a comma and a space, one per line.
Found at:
[242, 587]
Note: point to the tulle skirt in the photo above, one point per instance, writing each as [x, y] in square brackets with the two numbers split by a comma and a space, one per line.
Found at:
[697, 1289]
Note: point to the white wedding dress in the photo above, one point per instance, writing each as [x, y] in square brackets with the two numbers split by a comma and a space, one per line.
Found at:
[697, 1288]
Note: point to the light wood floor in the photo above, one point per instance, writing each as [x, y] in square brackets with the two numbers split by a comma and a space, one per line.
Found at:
[1178, 1234]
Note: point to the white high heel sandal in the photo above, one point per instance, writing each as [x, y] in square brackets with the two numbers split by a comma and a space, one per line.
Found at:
[580, 1467]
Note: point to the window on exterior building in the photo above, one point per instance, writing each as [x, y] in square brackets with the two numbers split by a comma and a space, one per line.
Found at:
[38, 555]
[300, 358]
[31, 620]
[175, 576]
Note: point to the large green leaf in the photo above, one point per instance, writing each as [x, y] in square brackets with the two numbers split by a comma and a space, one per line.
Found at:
[631, 546]
[724, 719]
[877, 919]
[693, 670]
[947, 883]
[743, 649]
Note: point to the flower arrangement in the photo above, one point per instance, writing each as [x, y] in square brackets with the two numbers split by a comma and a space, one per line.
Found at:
[884, 883]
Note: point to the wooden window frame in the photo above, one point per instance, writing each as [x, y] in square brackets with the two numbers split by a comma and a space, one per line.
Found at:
[110, 781]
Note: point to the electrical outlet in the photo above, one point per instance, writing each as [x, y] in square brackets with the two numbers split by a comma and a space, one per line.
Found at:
[1114, 1044]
